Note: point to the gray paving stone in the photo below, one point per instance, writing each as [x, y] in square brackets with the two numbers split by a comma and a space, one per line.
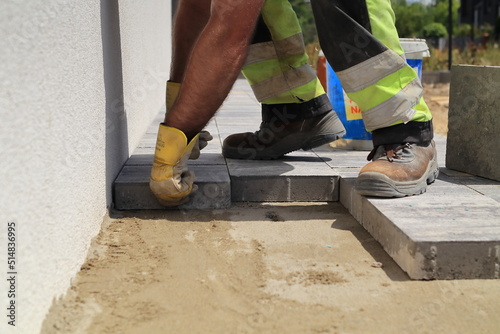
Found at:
[131, 189]
[473, 122]
[450, 232]
[300, 176]
[284, 189]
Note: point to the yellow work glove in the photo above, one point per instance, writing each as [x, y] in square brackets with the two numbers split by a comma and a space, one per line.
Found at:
[170, 181]
[173, 89]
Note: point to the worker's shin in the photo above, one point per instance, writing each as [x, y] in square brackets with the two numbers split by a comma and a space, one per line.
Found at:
[170, 181]
[403, 161]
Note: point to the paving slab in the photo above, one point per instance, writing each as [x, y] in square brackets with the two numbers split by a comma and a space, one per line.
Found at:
[300, 176]
[131, 189]
[450, 232]
[473, 122]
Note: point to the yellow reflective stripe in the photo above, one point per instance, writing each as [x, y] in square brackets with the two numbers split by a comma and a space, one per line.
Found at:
[290, 46]
[261, 71]
[398, 108]
[422, 113]
[260, 52]
[369, 72]
[283, 82]
[303, 93]
[384, 89]
[382, 24]
[264, 70]
[280, 18]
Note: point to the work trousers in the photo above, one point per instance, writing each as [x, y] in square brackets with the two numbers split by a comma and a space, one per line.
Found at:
[360, 41]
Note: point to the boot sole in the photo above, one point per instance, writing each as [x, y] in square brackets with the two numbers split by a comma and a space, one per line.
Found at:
[293, 142]
[379, 185]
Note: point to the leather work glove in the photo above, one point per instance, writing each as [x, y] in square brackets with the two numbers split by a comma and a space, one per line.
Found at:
[173, 89]
[171, 181]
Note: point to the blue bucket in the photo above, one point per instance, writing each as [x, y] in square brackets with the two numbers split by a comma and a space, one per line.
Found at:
[357, 137]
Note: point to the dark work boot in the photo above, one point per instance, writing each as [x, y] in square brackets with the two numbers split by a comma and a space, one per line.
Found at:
[398, 170]
[286, 128]
[276, 138]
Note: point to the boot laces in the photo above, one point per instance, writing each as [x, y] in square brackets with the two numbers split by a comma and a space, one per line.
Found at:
[390, 151]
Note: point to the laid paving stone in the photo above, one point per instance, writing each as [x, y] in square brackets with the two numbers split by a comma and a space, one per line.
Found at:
[131, 189]
[300, 176]
[450, 232]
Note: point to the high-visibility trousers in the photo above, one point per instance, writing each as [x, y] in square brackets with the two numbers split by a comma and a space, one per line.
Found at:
[367, 57]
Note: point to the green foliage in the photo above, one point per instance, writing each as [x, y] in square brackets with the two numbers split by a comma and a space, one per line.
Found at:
[463, 30]
[412, 18]
[434, 30]
[440, 12]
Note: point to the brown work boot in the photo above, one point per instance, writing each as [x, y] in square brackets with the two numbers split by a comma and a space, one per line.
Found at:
[278, 136]
[398, 170]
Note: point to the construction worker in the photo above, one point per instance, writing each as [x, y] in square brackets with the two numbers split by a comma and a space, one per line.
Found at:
[212, 43]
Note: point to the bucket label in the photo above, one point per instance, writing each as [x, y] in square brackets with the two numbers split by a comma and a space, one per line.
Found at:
[352, 110]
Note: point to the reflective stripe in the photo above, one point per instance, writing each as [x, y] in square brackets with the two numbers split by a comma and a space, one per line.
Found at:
[399, 108]
[284, 82]
[371, 71]
[384, 89]
[287, 47]
[300, 94]
[422, 113]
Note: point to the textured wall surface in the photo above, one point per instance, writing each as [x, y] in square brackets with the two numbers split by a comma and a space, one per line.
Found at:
[473, 121]
[79, 83]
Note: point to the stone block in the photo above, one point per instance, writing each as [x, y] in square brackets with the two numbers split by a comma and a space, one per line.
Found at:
[255, 188]
[473, 122]
[434, 235]
[300, 176]
[131, 189]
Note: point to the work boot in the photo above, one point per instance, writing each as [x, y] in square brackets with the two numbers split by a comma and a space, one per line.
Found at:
[398, 170]
[281, 133]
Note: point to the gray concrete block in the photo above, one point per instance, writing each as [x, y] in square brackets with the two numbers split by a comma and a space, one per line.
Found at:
[300, 176]
[349, 198]
[256, 188]
[434, 235]
[339, 158]
[131, 189]
[486, 187]
[474, 122]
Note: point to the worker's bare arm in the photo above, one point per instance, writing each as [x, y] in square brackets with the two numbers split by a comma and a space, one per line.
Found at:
[190, 19]
[216, 59]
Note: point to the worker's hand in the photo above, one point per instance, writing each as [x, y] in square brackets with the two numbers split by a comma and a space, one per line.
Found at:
[203, 140]
[170, 181]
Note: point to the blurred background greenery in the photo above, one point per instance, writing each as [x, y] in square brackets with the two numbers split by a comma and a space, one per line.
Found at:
[471, 45]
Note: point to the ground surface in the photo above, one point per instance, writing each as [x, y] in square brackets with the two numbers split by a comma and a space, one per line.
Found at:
[260, 268]
[437, 98]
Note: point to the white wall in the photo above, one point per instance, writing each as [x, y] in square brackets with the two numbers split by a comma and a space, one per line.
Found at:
[80, 81]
